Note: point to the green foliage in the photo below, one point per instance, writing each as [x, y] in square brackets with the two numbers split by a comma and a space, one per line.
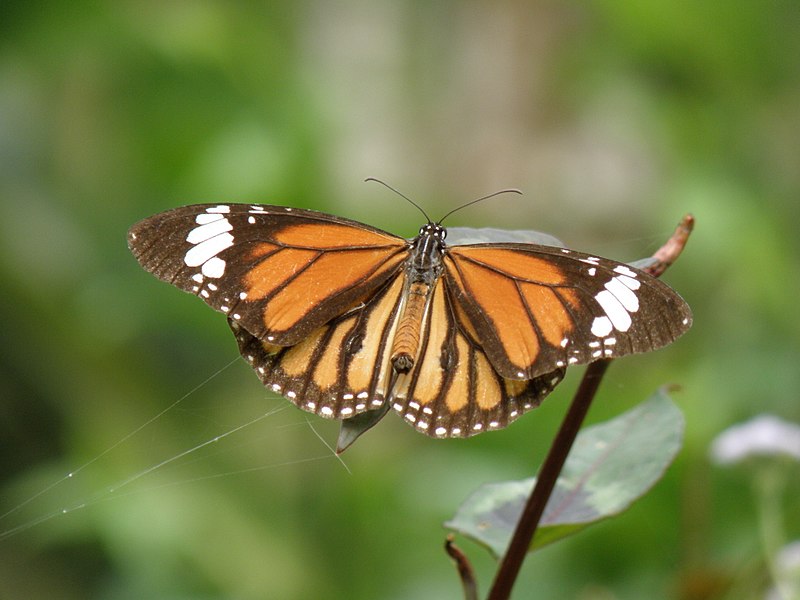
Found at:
[610, 466]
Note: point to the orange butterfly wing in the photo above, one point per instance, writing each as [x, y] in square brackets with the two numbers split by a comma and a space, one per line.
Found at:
[453, 389]
[343, 369]
[536, 308]
[280, 272]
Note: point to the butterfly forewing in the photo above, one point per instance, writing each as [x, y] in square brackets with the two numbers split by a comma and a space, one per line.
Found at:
[537, 308]
[280, 272]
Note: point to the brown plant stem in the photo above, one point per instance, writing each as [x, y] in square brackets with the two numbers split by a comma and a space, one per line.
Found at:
[546, 480]
[671, 250]
[465, 570]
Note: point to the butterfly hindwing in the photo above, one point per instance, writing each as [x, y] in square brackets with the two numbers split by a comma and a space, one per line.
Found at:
[281, 272]
[537, 308]
[453, 390]
[341, 369]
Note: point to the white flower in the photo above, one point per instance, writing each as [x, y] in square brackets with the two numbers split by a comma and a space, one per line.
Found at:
[787, 565]
[764, 435]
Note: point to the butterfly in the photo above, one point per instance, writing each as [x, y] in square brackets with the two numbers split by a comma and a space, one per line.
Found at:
[346, 320]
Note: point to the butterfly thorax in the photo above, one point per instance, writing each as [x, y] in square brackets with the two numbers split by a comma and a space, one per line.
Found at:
[425, 259]
[422, 271]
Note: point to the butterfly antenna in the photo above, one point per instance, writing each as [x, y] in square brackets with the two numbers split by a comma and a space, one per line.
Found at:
[384, 184]
[508, 191]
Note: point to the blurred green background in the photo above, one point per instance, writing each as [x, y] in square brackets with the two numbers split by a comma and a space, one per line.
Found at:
[614, 118]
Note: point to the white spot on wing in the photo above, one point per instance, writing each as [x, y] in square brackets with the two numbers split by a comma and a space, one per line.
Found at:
[208, 231]
[601, 326]
[204, 218]
[623, 270]
[219, 209]
[214, 267]
[632, 283]
[614, 310]
[624, 294]
[208, 249]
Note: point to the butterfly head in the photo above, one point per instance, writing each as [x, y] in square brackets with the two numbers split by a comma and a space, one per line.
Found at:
[433, 230]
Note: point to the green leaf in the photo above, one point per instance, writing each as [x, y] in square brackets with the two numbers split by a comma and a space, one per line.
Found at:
[611, 465]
